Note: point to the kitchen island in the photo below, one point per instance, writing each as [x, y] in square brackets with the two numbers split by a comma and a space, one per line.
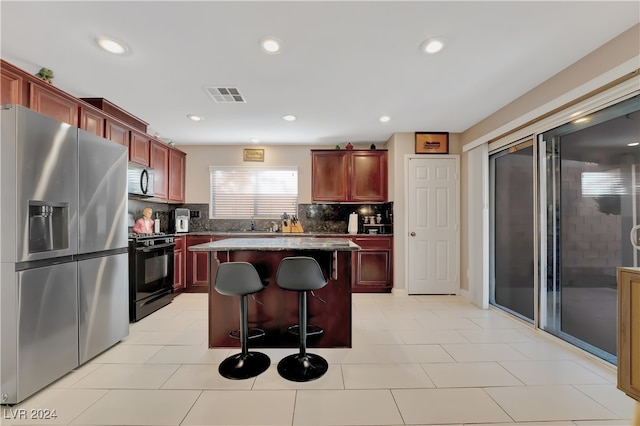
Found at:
[278, 308]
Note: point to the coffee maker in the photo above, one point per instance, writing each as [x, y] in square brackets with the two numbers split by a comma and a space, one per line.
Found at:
[181, 220]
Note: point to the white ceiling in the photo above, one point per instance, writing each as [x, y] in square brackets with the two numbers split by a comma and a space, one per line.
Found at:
[343, 65]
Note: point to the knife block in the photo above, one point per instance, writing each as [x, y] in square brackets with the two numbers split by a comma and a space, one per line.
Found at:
[297, 228]
[290, 229]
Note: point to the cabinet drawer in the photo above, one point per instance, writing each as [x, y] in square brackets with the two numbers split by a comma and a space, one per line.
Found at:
[373, 242]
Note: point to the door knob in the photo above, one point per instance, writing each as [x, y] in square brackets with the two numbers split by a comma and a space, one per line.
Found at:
[413, 234]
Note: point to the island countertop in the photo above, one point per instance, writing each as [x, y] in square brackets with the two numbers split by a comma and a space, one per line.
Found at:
[278, 244]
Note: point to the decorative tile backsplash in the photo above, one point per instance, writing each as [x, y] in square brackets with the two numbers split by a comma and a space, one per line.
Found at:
[322, 218]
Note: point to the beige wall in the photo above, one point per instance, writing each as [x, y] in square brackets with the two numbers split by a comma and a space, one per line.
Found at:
[200, 157]
[624, 48]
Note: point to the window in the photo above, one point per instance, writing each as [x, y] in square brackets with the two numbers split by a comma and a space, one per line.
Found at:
[246, 192]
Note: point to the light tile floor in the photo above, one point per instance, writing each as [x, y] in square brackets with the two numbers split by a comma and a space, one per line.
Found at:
[419, 360]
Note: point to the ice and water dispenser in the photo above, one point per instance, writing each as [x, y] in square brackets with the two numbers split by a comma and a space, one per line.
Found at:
[48, 226]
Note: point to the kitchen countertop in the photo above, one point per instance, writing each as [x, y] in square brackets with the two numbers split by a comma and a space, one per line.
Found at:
[248, 234]
[278, 244]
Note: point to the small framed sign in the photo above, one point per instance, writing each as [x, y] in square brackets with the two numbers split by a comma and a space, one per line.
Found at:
[252, 154]
[432, 142]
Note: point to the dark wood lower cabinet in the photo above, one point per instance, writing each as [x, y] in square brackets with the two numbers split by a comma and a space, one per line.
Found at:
[197, 265]
[178, 264]
[372, 268]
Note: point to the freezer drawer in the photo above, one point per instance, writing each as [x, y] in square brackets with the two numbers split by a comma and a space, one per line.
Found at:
[103, 303]
[45, 346]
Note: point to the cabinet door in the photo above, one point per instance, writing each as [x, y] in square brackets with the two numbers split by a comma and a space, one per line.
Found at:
[368, 176]
[117, 132]
[139, 150]
[92, 121]
[10, 88]
[176, 175]
[159, 162]
[372, 266]
[329, 176]
[197, 271]
[179, 264]
[48, 102]
[178, 270]
[628, 331]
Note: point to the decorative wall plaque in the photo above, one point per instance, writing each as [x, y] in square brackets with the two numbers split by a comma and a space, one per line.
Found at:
[252, 154]
[432, 142]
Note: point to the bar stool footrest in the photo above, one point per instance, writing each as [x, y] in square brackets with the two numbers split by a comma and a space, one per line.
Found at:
[254, 333]
[312, 330]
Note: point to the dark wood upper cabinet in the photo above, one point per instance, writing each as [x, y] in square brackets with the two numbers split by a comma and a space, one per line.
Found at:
[56, 105]
[117, 132]
[139, 148]
[176, 175]
[349, 176]
[11, 87]
[92, 120]
[159, 162]
[369, 176]
[330, 175]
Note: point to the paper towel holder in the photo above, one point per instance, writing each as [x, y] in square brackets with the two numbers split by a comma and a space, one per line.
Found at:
[353, 223]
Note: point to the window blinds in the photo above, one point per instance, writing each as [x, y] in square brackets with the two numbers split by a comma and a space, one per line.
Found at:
[245, 192]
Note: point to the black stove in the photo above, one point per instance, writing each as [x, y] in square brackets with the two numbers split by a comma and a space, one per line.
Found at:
[150, 273]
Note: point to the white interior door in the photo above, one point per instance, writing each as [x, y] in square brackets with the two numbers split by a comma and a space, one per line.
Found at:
[433, 225]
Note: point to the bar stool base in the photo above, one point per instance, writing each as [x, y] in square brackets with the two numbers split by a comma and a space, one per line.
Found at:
[239, 366]
[302, 368]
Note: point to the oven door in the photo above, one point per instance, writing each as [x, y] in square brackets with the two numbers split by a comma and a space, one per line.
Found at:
[153, 270]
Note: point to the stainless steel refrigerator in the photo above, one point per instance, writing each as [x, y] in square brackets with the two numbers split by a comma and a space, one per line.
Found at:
[63, 249]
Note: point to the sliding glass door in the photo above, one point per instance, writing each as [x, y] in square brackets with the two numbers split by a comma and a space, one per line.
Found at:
[512, 224]
[589, 204]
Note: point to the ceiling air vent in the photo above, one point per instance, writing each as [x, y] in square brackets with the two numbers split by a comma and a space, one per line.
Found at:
[225, 95]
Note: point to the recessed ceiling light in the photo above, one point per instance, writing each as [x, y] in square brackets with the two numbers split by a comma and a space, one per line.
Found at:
[195, 117]
[271, 45]
[289, 117]
[111, 45]
[581, 120]
[385, 118]
[432, 45]
[255, 140]
[633, 144]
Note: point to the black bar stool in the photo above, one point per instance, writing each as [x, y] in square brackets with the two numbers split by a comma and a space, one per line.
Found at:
[301, 274]
[241, 279]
